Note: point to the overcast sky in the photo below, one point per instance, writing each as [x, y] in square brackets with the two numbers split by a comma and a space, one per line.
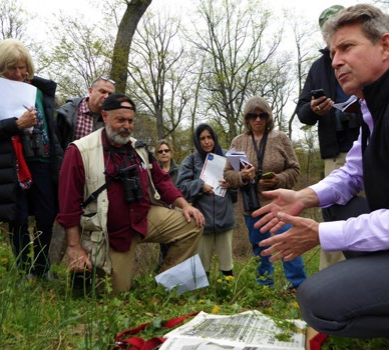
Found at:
[306, 9]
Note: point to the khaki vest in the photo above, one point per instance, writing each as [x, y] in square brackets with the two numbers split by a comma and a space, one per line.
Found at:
[94, 233]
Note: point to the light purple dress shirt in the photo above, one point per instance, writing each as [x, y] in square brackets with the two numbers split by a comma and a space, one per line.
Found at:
[367, 232]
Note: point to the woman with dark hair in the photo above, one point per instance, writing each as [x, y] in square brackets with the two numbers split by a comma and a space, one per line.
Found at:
[30, 157]
[218, 211]
[273, 164]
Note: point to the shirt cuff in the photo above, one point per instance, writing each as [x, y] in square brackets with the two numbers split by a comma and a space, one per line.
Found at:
[68, 220]
[325, 196]
[331, 236]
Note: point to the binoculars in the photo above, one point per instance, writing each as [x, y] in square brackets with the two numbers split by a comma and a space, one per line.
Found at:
[131, 184]
[250, 197]
[32, 142]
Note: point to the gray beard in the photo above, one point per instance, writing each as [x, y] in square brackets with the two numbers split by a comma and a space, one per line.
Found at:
[115, 137]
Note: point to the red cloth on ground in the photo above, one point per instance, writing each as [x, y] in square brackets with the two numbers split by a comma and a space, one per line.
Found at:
[316, 342]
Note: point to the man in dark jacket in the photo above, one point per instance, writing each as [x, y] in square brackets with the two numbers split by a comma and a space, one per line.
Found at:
[79, 117]
[336, 130]
[350, 298]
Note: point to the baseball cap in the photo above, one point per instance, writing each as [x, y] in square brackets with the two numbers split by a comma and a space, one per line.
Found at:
[115, 100]
[329, 12]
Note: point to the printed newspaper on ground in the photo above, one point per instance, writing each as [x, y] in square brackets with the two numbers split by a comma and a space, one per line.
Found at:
[250, 330]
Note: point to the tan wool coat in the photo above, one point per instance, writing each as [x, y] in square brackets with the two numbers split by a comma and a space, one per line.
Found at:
[279, 158]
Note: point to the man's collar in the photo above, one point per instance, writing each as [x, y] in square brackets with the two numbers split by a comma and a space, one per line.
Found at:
[376, 94]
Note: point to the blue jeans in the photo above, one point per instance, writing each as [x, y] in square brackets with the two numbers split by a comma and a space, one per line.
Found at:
[294, 269]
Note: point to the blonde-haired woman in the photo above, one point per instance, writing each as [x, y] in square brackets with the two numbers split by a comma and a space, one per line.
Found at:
[29, 163]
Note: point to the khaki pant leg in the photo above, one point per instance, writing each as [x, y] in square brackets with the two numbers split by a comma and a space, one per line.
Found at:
[330, 164]
[330, 258]
[205, 250]
[170, 226]
[123, 266]
[223, 249]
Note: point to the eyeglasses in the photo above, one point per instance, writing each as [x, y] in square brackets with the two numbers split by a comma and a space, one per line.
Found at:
[103, 78]
[254, 116]
[163, 151]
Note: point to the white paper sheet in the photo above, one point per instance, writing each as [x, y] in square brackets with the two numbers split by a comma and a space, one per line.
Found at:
[212, 173]
[187, 276]
[235, 158]
[344, 105]
[14, 95]
[201, 344]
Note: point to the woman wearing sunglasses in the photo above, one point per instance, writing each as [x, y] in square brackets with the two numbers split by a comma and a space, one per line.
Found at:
[272, 164]
[164, 155]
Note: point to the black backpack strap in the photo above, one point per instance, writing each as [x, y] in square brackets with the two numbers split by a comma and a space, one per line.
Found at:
[96, 193]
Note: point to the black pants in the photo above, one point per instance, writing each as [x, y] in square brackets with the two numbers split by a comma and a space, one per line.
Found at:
[350, 298]
[355, 207]
[41, 202]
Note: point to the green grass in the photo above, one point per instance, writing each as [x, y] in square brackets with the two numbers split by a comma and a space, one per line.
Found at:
[47, 315]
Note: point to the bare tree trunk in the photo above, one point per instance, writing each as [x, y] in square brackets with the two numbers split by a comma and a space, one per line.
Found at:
[134, 12]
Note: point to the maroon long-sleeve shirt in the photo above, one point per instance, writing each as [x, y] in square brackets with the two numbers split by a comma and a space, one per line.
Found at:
[123, 218]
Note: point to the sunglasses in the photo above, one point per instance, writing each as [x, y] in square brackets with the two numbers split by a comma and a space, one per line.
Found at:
[105, 79]
[254, 116]
[163, 151]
